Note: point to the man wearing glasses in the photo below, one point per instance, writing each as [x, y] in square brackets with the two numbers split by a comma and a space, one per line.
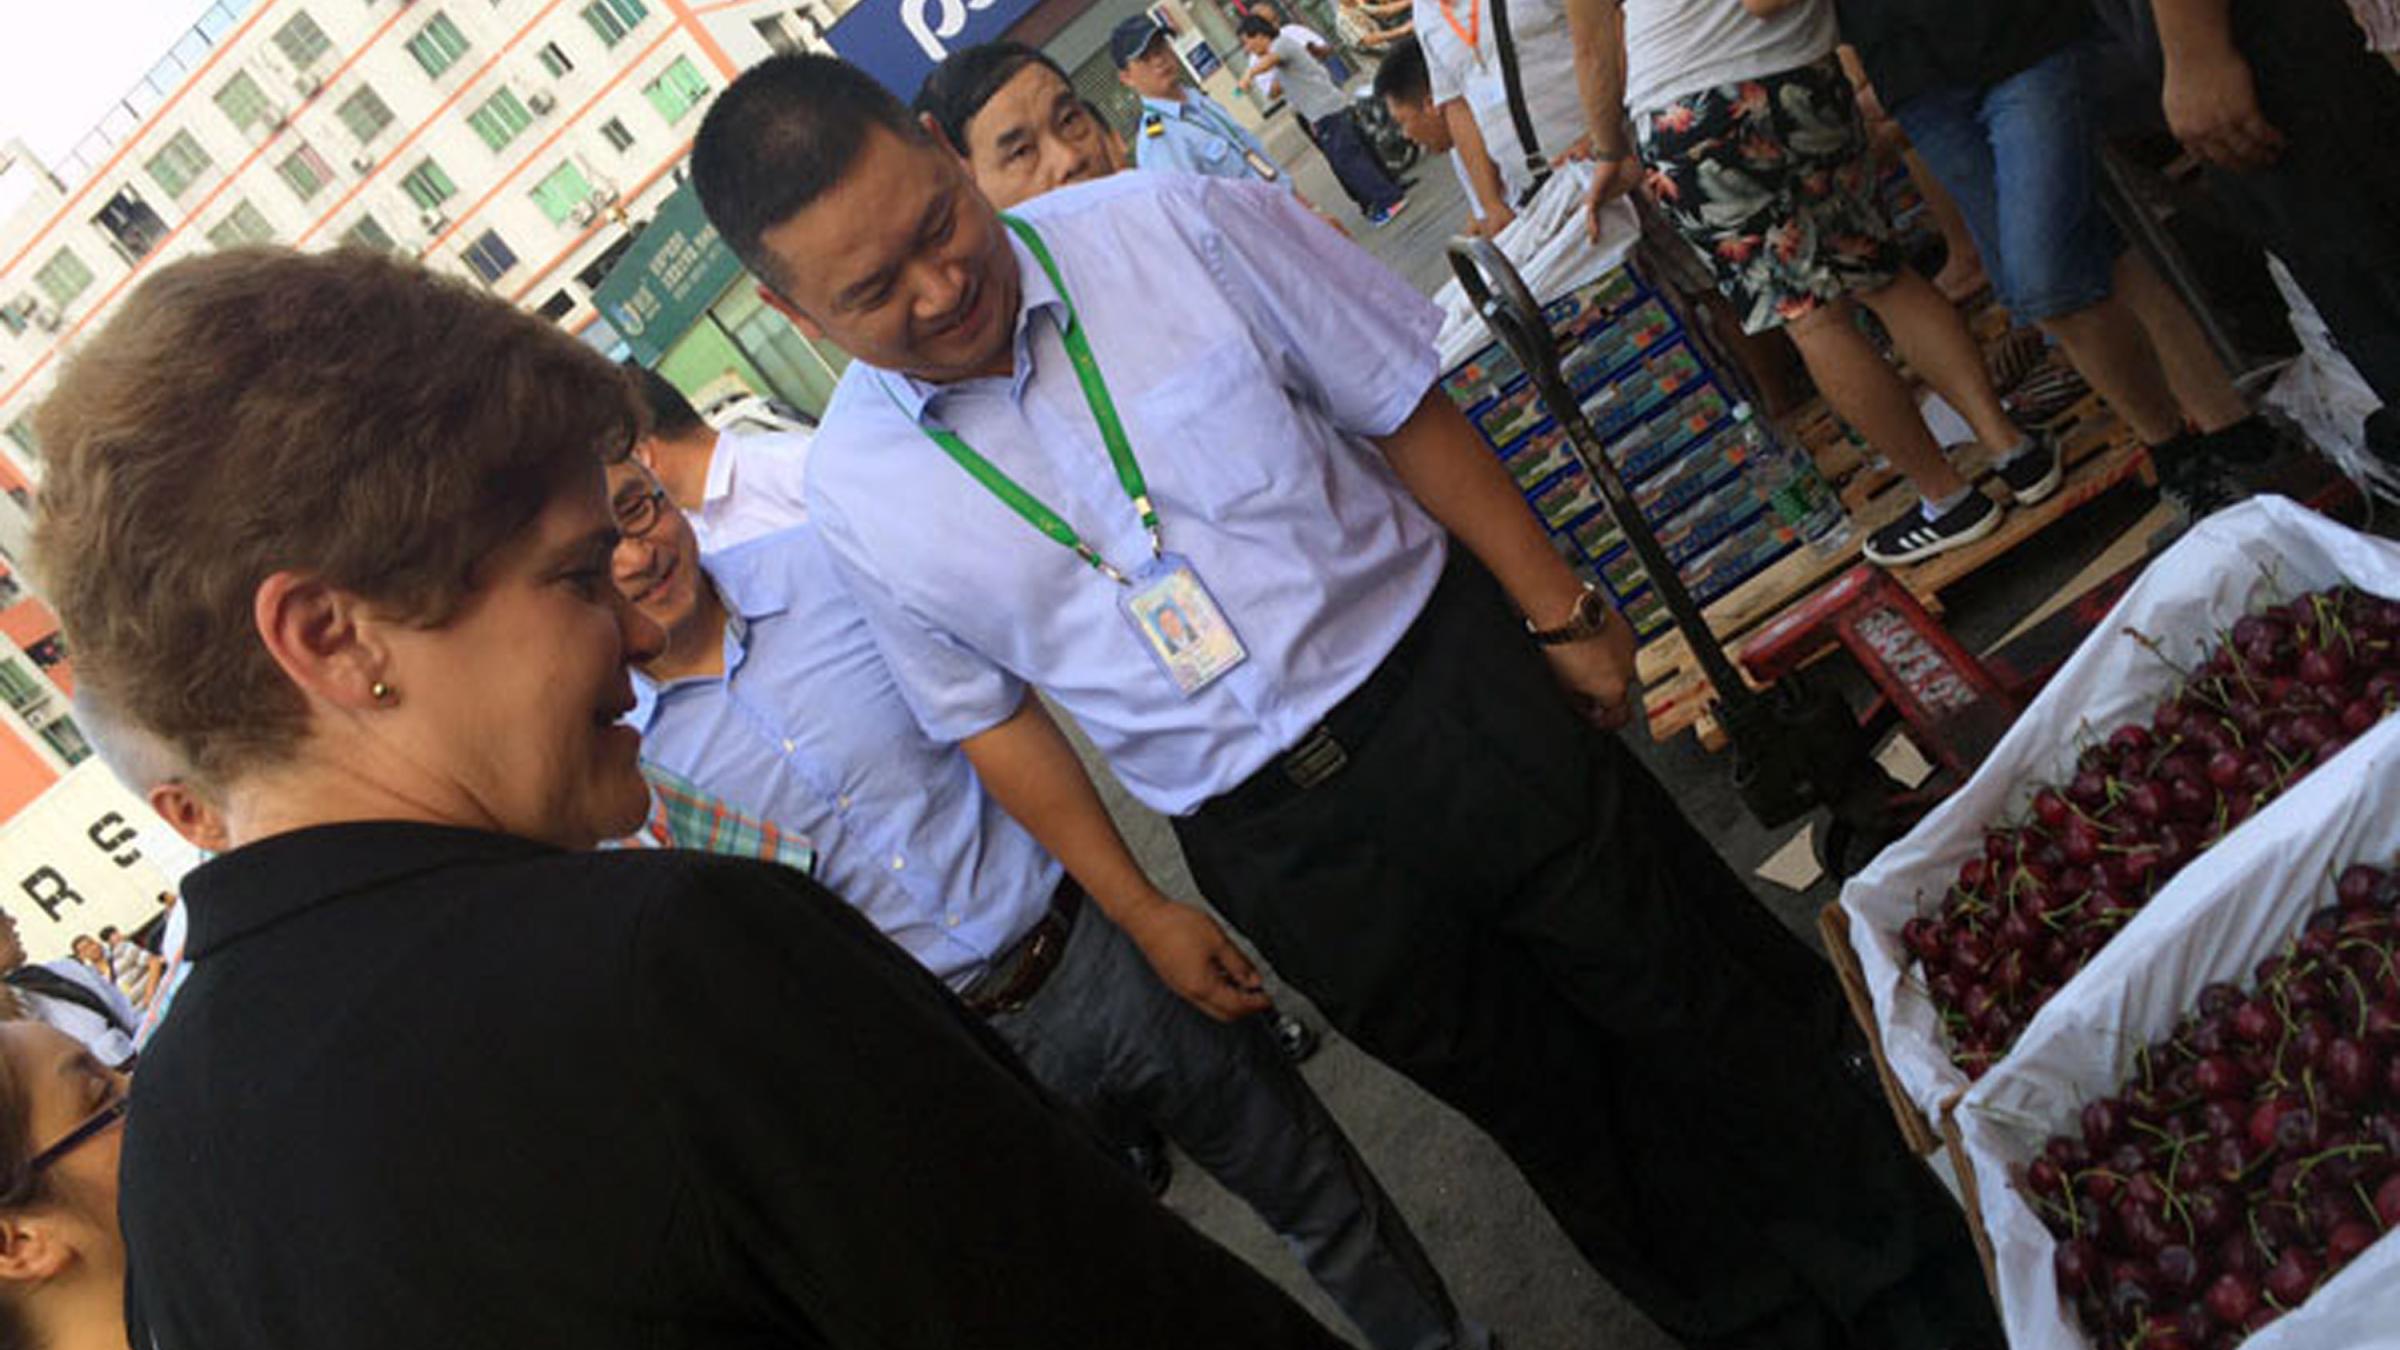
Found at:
[771, 696]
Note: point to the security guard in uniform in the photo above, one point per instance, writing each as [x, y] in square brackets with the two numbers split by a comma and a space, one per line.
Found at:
[1183, 130]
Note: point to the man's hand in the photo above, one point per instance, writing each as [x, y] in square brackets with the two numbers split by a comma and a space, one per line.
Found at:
[1490, 225]
[1197, 960]
[1611, 179]
[2212, 106]
[1580, 150]
[1598, 674]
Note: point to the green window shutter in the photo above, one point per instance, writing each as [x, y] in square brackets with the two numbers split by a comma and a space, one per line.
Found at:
[243, 103]
[438, 45]
[428, 186]
[369, 233]
[676, 90]
[63, 277]
[559, 194]
[500, 118]
[365, 113]
[179, 163]
[302, 41]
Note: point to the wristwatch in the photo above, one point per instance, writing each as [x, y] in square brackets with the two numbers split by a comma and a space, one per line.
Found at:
[1590, 620]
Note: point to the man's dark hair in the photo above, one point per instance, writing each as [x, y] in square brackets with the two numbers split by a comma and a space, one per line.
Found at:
[110, 933]
[1254, 26]
[1403, 74]
[960, 86]
[671, 414]
[779, 138]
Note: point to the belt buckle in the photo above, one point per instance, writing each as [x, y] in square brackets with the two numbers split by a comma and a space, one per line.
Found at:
[1317, 758]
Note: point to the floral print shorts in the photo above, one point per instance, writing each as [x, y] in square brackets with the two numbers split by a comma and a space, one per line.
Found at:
[1770, 179]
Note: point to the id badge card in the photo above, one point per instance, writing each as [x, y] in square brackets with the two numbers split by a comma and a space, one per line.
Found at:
[1179, 623]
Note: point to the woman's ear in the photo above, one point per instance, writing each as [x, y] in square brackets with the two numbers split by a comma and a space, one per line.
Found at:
[31, 1248]
[321, 638]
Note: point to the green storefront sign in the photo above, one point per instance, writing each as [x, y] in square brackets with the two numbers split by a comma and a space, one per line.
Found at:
[668, 278]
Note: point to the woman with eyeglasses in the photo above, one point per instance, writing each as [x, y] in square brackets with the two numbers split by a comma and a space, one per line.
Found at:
[337, 533]
[62, 1263]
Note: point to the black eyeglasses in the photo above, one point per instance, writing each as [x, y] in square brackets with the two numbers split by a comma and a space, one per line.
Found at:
[82, 1134]
[638, 516]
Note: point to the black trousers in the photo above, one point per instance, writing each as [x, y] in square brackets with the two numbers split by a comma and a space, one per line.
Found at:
[2330, 205]
[1497, 901]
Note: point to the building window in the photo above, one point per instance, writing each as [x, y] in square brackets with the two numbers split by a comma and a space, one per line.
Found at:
[490, 257]
[558, 306]
[369, 233]
[428, 186]
[302, 41]
[306, 171]
[776, 31]
[365, 113]
[675, 91]
[21, 431]
[500, 118]
[63, 277]
[20, 688]
[245, 224]
[559, 194]
[179, 163]
[16, 314]
[554, 60]
[244, 103]
[67, 739]
[613, 19]
[10, 591]
[438, 45]
[613, 131]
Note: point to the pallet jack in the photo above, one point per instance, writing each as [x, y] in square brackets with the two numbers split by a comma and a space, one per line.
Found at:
[1796, 744]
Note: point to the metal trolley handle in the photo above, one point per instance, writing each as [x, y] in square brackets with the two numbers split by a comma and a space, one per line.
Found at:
[1507, 307]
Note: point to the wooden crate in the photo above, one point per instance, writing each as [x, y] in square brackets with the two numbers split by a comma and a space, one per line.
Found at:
[1834, 927]
[2099, 454]
[1970, 1194]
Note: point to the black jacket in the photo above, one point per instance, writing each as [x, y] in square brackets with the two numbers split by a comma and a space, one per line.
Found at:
[1911, 47]
[433, 1087]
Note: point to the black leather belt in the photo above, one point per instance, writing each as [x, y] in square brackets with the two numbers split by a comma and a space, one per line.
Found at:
[1011, 979]
[1320, 756]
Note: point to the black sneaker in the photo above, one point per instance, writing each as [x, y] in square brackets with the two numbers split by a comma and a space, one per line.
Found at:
[2246, 444]
[2192, 481]
[2034, 473]
[1913, 538]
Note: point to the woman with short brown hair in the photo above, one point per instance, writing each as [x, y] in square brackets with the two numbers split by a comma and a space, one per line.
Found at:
[336, 531]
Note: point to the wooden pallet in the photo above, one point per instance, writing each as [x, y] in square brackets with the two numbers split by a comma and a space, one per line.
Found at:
[2098, 452]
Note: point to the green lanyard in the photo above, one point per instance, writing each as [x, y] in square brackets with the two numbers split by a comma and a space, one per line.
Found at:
[1104, 412]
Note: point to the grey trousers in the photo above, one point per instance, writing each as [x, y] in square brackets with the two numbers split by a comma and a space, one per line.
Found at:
[1109, 1036]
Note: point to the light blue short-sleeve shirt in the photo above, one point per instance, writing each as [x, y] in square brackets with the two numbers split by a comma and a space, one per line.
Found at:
[806, 729]
[1251, 352]
[1197, 135]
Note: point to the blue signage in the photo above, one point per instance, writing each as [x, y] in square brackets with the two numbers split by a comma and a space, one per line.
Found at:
[899, 42]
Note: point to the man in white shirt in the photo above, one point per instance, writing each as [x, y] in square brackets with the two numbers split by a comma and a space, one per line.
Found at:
[71, 996]
[734, 487]
[1300, 65]
[1462, 54]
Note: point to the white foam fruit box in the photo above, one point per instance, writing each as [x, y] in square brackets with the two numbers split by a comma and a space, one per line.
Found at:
[2229, 565]
[2252, 898]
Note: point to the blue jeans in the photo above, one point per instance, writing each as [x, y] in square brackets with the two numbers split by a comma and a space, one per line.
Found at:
[1108, 1035]
[2022, 159]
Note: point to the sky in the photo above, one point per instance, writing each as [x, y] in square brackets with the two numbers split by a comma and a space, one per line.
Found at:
[70, 60]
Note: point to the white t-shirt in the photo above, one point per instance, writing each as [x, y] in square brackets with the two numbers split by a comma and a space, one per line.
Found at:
[1306, 85]
[1545, 67]
[753, 488]
[1679, 47]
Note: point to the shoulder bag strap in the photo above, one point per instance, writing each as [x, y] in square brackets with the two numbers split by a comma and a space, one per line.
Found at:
[1537, 167]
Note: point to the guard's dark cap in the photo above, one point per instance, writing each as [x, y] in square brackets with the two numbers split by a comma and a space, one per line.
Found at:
[1133, 37]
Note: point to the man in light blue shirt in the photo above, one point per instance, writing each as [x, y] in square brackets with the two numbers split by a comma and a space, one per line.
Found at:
[1183, 130]
[1165, 390]
[771, 696]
